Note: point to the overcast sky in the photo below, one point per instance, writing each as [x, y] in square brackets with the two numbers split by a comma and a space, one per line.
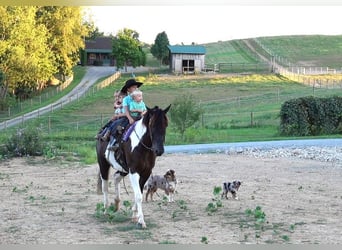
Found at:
[205, 24]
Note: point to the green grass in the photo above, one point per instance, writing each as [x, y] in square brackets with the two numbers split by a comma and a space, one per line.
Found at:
[312, 50]
[237, 108]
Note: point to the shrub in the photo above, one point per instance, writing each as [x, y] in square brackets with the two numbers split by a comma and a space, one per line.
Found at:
[184, 113]
[311, 116]
[25, 142]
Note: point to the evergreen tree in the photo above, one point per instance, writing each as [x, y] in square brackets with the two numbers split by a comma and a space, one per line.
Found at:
[159, 49]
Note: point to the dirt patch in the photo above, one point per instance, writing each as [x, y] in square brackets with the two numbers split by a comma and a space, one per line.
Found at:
[55, 202]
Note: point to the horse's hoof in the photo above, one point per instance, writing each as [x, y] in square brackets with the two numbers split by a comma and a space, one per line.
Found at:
[140, 225]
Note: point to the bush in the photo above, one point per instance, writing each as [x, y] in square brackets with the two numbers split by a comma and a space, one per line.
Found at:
[185, 112]
[25, 142]
[311, 116]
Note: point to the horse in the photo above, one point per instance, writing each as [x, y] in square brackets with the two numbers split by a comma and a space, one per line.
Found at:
[138, 156]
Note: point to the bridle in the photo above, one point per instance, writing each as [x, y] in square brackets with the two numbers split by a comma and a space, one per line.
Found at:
[140, 138]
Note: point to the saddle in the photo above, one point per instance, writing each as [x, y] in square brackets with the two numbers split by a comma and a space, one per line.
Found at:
[122, 134]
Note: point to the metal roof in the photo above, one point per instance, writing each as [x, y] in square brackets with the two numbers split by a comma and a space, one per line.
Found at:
[187, 49]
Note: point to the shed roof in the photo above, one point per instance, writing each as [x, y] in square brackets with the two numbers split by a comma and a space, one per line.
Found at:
[187, 49]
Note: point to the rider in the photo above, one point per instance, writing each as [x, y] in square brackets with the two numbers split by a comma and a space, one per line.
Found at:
[137, 107]
[118, 113]
[130, 86]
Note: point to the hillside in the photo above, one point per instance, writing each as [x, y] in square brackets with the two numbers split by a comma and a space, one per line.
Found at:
[308, 50]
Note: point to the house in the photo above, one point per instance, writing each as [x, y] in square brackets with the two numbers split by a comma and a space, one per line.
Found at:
[186, 59]
[98, 52]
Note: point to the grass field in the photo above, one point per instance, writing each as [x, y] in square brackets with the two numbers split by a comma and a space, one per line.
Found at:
[236, 107]
[244, 108]
[313, 50]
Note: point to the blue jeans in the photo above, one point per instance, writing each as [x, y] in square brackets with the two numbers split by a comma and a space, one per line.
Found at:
[123, 122]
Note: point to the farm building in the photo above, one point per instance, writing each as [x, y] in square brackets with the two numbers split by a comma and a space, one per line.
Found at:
[186, 59]
[98, 52]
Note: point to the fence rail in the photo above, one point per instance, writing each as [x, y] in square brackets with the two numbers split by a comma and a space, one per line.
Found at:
[312, 76]
[59, 104]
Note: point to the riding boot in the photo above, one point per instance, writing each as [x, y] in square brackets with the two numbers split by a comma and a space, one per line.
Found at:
[105, 137]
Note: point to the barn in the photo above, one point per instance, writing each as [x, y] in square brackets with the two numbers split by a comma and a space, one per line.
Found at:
[98, 52]
[186, 59]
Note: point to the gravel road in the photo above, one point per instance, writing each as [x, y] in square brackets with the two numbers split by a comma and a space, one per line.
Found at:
[326, 150]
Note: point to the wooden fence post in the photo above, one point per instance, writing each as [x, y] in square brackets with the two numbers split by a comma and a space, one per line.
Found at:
[49, 124]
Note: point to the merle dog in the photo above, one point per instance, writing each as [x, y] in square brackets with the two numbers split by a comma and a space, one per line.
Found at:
[167, 182]
[231, 187]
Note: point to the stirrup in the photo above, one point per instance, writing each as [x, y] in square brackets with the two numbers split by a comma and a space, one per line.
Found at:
[114, 147]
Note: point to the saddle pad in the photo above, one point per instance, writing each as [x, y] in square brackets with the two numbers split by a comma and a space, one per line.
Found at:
[128, 132]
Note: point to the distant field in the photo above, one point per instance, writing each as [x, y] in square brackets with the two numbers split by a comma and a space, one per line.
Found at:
[313, 50]
[310, 50]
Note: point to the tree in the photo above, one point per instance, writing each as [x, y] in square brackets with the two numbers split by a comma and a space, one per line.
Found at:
[127, 49]
[159, 49]
[184, 113]
[66, 34]
[36, 43]
[94, 32]
[25, 59]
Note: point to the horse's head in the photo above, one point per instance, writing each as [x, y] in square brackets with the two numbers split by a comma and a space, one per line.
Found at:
[156, 123]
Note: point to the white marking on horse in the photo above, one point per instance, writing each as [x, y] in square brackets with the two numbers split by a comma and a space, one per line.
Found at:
[137, 207]
[111, 159]
[105, 193]
[117, 178]
[137, 134]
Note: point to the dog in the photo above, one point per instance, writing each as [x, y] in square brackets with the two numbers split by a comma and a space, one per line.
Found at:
[167, 183]
[231, 187]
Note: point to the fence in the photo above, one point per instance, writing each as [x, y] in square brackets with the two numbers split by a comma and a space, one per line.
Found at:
[59, 104]
[238, 68]
[323, 77]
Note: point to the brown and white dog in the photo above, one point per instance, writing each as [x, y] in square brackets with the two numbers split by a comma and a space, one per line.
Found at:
[167, 183]
[231, 187]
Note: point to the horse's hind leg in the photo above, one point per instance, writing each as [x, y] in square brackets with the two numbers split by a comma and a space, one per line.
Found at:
[99, 184]
[117, 178]
[105, 194]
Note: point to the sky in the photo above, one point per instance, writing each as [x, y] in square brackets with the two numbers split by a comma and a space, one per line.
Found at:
[207, 24]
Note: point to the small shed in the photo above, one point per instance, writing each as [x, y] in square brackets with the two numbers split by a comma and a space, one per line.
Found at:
[98, 52]
[187, 59]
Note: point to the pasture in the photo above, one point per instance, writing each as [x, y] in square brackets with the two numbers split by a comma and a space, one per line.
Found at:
[52, 199]
[236, 108]
[281, 200]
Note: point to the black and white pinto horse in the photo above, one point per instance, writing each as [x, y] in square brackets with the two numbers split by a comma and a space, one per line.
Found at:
[139, 153]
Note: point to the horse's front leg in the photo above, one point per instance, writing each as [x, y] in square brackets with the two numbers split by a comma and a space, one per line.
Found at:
[138, 215]
[117, 178]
